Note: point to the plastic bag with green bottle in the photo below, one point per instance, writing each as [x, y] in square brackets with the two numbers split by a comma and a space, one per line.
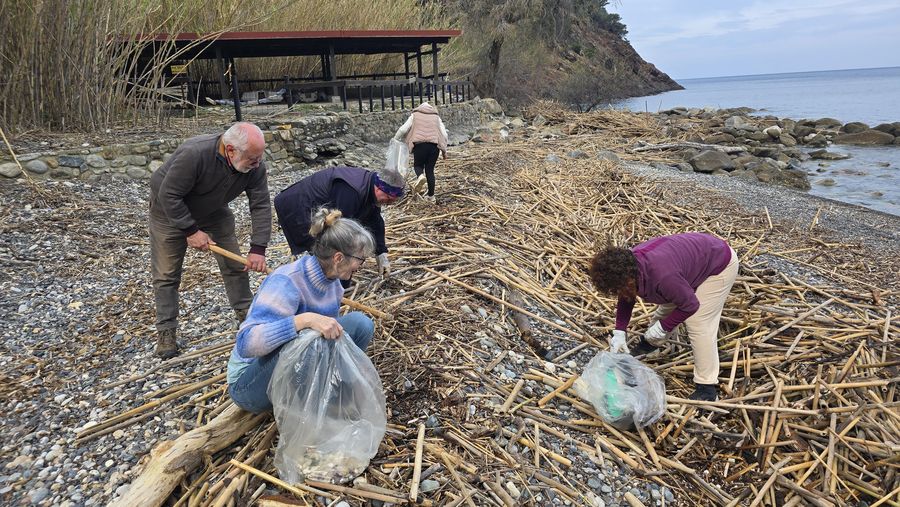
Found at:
[624, 391]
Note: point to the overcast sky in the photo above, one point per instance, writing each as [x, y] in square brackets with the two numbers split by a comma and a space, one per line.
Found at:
[707, 38]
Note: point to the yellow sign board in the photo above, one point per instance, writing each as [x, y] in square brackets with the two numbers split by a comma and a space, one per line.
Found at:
[178, 69]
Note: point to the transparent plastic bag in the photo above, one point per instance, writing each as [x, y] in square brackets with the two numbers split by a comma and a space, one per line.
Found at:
[624, 391]
[329, 407]
[397, 158]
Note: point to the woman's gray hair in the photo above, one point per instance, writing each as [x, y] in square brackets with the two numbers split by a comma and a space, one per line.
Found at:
[333, 233]
[391, 177]
[237, 134]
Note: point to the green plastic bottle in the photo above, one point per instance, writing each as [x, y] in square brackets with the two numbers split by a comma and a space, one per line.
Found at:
[611, 394]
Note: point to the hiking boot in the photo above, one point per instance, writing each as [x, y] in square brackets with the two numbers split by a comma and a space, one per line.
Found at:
[419, 185]
[705, 392]
[166, 343]
[241, 315]
[643, 348]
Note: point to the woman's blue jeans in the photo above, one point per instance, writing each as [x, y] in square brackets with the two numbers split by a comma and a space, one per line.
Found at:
[250, 390]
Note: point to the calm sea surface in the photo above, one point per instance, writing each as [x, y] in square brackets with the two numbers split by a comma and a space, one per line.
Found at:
[870, 178]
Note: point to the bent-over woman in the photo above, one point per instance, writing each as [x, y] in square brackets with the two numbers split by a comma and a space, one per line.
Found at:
[689, 276]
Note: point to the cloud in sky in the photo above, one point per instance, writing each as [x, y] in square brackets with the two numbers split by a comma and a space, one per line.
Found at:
[698, 38]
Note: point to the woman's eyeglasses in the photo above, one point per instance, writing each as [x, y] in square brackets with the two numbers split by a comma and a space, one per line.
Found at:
[360, 259]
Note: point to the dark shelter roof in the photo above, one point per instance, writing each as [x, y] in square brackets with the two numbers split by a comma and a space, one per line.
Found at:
[265, 44]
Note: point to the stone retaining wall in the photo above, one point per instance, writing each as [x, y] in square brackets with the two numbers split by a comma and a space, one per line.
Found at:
[305, 142]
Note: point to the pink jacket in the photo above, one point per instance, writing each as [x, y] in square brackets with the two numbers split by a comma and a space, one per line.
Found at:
[424, 125]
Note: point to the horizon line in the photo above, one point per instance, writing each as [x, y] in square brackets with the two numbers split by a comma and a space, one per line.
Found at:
[782, 73]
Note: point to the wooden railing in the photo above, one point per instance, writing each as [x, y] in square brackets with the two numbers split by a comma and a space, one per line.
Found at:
[391, 91]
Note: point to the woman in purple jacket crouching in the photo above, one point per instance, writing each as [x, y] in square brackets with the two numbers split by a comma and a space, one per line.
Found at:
[689, 276]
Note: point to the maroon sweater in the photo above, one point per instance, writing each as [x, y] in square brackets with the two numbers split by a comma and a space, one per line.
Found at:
[670, 268]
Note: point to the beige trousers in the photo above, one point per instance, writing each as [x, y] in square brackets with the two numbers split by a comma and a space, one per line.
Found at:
[703, 326]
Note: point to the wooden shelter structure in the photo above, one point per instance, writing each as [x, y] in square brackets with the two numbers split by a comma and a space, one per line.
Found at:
[413, 45]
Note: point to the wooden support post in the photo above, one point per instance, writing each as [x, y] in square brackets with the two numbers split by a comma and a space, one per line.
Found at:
[235, 92]
[331, 69]
[434, 69]
[223, 84]
[419, 63]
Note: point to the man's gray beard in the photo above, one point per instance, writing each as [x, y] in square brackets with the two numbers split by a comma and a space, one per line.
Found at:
[244, 171]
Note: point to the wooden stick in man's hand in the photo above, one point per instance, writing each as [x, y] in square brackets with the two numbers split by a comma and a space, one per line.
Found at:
[346, 301]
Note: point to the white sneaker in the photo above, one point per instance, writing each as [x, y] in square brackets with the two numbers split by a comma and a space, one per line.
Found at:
[419, 186]
[429, 199]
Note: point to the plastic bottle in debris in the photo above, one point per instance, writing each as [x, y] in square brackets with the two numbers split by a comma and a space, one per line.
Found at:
[610, 394]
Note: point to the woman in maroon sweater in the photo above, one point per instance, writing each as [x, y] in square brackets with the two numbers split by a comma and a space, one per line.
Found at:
[689, 276]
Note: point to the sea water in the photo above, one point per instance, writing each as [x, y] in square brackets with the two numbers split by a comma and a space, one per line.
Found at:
[870, 178]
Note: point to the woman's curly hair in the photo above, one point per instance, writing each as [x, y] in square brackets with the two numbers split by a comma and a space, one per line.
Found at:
[612, 268]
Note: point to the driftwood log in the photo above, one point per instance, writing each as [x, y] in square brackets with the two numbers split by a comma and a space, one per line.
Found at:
[686, 144]
[173, 460]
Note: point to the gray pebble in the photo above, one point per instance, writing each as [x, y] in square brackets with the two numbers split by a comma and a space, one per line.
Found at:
[38, 495]
[428, 486]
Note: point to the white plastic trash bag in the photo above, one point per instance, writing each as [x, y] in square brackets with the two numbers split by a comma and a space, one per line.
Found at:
[624, 391]
[397, 158]
[329, 408]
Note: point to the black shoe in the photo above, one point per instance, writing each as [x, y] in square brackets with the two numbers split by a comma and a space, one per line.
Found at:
[166, 343]
[241, 315]
[705, 392]
[643, 348]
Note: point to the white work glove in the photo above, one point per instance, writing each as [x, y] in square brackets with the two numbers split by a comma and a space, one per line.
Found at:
[656, 335]
[384, 265]
[617, 343]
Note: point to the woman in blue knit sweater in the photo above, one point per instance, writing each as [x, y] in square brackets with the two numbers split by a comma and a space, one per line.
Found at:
[305, 294]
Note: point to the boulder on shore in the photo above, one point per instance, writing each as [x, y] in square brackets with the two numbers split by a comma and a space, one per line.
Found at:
[854, 127]
[711, 160]
[869, 137]
[827, 155]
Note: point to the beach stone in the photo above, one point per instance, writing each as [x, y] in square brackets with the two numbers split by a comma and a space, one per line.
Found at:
[801, 131]
[765, 151]
[720, 138]
[816, 140]
[827, 123]
[711, 160]
[95, 161]
[37, 166]
[867, 138]
[492, 106]
[855, 127]
[744, 175]
[678, 111]
[70, 161]
[794, 178]
[887, 128]
[10, 169]
[539, 121]
[774, 131]
[787, 140]
[428, 485]
[552, 159]
[739, 123]
[827, 182]
[827, 155]
[577, 154]
[137, 172]
[38, 495]
[608, 155]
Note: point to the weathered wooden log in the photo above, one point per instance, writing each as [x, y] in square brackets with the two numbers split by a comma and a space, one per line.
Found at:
[687, 144]
[172, 460]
